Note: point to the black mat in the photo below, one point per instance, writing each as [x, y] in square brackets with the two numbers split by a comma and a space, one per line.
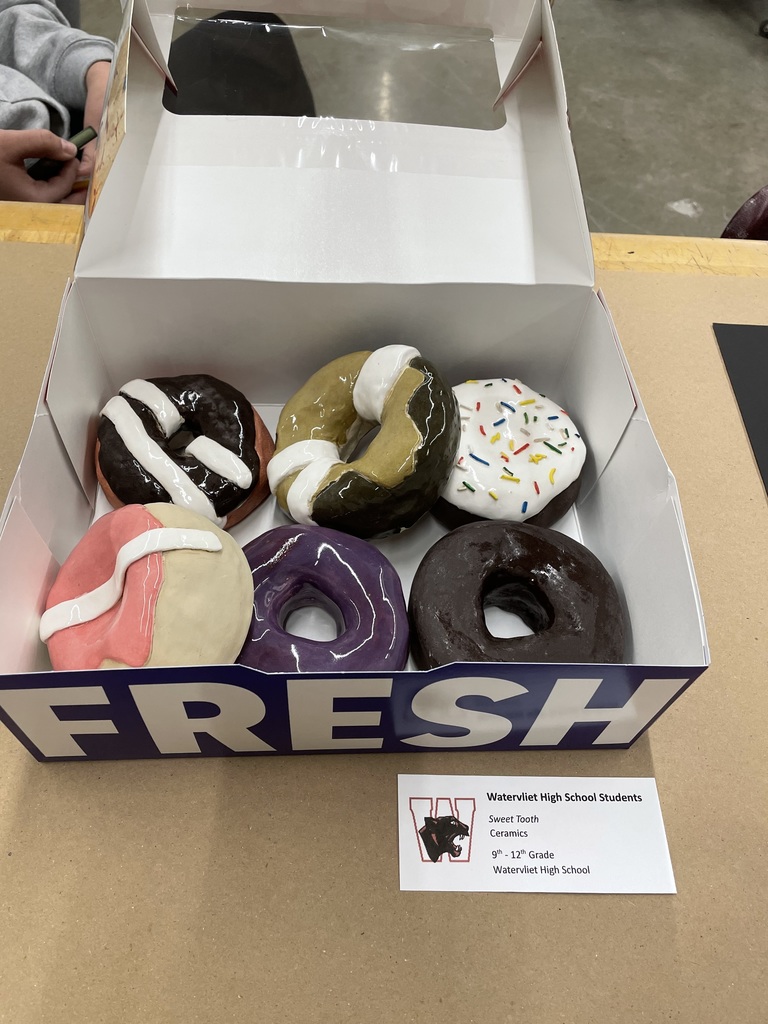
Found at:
[745, 353]
[238, 63]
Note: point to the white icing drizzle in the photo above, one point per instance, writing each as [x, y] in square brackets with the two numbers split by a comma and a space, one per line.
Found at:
[377, 377]
[508, 467]
[296, 456]
[152, 458]
[168, 417]
[90, 606]
[301, 494]
[221, 460]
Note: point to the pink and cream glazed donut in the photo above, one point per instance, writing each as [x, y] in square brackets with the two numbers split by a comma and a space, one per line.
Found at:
[147, 586]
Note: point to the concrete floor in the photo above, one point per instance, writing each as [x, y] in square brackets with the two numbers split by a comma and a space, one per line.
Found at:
[668, 102]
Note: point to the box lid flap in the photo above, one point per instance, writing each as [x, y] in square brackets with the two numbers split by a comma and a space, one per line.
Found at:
[335, 199]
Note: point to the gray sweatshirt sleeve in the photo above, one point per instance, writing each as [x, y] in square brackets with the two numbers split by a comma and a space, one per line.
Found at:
[37, 41]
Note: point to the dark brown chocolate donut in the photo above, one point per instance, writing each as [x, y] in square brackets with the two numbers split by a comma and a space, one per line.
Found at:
[192, 440]
[556, 586]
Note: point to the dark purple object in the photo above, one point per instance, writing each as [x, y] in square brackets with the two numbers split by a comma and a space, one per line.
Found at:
[299, 566]
[751, 219]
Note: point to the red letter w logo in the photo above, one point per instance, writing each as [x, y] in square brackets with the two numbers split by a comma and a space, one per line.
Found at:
[443, 825]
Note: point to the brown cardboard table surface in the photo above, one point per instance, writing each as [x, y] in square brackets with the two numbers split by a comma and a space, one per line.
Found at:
[248, 889]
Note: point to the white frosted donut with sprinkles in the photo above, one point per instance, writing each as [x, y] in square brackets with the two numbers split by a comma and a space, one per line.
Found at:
[518, 453]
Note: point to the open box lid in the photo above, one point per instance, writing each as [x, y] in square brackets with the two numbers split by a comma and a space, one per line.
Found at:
[330, 199]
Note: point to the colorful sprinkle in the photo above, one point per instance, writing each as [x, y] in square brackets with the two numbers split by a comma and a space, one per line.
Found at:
[482, 430]
[498, 423]
[477, 407]
[505, 457]
[478, 459]
[535, 419]
[536, 487]
[567, 435]
[525, 415]
[510, 479]
[529, 401]
[495, 438]
[464, 407]
[524, 431]
[523, 449]
[517, 389]
[469, 487]
[489, 384]
[508, 406]
[562, 444]
[552, 476]
[553, 417]
[494, 495]
[548, 445]
[537, 439]
[536, 459]
[578, 435]
[473, 382]
[525, 507]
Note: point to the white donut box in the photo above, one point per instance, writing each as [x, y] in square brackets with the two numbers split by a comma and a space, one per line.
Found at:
[257, 249]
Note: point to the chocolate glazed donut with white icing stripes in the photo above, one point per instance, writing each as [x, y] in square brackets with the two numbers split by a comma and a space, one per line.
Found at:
[398, 478]
[192, 440]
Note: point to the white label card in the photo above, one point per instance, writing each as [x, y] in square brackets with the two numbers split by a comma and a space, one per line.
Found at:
[463, 833]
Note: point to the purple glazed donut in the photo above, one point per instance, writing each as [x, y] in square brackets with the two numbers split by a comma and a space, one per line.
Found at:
[300, 566]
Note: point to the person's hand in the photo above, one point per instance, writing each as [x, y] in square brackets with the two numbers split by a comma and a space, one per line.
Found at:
[96, 79]
[18, 146]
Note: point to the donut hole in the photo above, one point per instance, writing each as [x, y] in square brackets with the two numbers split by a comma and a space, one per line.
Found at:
[513, 606]
[179, 441]
[363, 443]
[312, 615]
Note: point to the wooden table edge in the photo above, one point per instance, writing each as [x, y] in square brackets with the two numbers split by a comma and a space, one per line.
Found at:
[54, 223]
[46, 223]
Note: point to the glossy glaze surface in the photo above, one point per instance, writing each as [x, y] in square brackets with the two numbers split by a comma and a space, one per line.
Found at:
[518, 453]
[92, 604]
[143, 456]
[125, 632]
[177, 607]
[300, 566]
[554, 584]
[399, 476]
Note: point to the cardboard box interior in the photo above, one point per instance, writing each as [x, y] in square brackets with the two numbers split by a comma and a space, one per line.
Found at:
[628, 513]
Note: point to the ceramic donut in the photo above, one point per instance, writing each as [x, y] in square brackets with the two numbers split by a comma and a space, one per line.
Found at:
[398, 478]
[298, 566]
[149, 585]
[192, 440]
[519, 458]
[553, 583]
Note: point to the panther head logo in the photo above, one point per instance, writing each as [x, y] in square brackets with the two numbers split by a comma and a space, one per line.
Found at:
[439, 836]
